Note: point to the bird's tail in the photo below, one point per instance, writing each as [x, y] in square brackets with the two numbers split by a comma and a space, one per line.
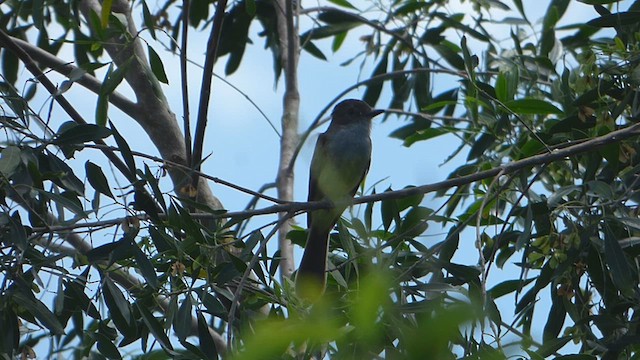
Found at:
[312, 276]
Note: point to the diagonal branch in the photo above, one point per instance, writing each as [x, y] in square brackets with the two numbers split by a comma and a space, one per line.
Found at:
[7, 42]
[91, 83]
[506, 169]
[158, 121]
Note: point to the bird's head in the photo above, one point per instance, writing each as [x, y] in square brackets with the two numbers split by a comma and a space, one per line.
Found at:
[352, 110]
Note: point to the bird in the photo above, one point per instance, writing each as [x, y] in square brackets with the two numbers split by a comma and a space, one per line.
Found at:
[339, 164]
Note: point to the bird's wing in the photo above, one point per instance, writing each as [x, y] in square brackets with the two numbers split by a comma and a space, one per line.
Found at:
[317, 164]
[364, 174]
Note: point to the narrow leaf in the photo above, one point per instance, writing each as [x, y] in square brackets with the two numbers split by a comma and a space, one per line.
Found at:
[156, 66]
[106, 11]
[40, 311]
[124, 148]
[207, 344]
[154, 326]
[96, 178]
[532, 106]
[182, 322]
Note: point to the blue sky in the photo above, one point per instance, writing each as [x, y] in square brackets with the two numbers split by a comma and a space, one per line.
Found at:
[243, 146]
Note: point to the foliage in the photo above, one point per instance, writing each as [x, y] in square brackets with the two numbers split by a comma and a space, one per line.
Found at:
[173, 286]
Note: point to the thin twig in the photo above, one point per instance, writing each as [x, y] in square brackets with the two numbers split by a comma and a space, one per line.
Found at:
[481, 259]
[545, 158]
[217, 180]
[247, 272]
[205, 90]
[183, 79]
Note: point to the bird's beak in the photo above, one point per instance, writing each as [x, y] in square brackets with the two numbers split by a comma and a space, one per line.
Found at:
[375, 112]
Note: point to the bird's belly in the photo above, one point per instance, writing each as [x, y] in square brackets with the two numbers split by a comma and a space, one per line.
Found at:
[346, 170]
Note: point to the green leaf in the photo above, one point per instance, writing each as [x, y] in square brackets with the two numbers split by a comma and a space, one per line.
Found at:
[553, 345]
[10, 339]
[96, 178]
[453, 58]
[17, 231]
[470, 61]
[119, 307]
[152, 181]
[10, 67]
[555, 319]
[106, 11]
[530, 148]
[622, 273]
[115, 77]
[326, 31]
[389, 211]
[598, 2]
[343, 3]
[199, 11]
[455, 21]
[107, 251]
[557, 197]
[207, 344]
[182, 322]
[481, 145]
[617, 19]
[143, 201]
[338, 40]
[631, 222]
[106, 347]
[372, 94]
[502, 88]
[38, 309]
[250, 7]
[462, 272]
[70, 203]
[148, 19]
[74, 290]
[312, 49]
[213, 305]
[336, 16]
[156, 66]
[161, 240]
[507, 287]
[415, 222]
[124, 148]
[146, 267]
[450, 244]
[56, 170]
[548, 38]
[532, 106]
[102, 109]
[154, 326]
[518, 4]
[80, 134]
[9, 160]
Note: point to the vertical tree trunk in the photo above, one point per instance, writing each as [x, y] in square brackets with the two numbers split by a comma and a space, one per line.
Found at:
[289, 46]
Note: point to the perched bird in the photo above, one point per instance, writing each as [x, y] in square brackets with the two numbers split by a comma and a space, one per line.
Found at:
[340, 162]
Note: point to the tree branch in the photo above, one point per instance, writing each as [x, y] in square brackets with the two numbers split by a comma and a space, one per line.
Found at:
[89, 82]
[158, 121]
[286, 14]
[205, 90]
[506, 169]
[183, 81]
[7, 42]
